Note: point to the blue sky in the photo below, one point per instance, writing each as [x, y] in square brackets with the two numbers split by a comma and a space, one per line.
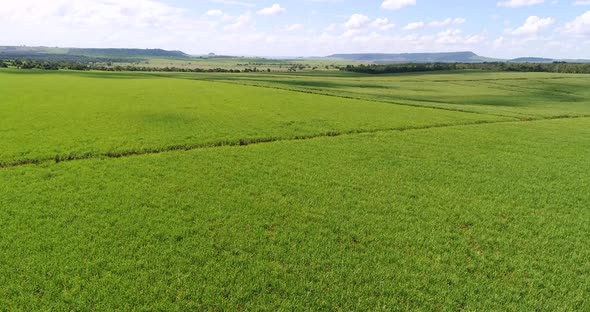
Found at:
[501, 28]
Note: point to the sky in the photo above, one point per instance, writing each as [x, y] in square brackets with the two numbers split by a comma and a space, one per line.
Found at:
[503, 29]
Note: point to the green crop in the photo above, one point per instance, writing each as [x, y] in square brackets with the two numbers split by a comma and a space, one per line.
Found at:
[242, 197]
[65, 116]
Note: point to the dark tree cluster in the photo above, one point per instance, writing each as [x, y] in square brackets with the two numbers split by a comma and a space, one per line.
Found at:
[47, 65]
[556, 67]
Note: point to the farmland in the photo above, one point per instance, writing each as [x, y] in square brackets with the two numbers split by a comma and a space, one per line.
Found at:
[300, 191]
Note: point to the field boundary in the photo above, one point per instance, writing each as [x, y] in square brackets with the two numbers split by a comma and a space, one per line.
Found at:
[256, 141]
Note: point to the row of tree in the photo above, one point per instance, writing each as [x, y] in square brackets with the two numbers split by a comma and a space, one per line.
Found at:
[556, 67]
[57, 65]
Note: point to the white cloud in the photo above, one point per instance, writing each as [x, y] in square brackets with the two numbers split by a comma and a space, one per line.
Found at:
[498, 42]
[357, 21]
[331, 27]
[415, 25]
[91, 12]
[295, 27]
[444, 23]
[397, 4]
[579, 26]
[383, 24]
[447, 22]
[158, 24]
[243, 21]
[449, 36]
[215, 13]
[275, 9]
[580, 3]
[232, 2]
[351, 33]
[533, 25]
[455, 37]
[473, 40]
[519, 3]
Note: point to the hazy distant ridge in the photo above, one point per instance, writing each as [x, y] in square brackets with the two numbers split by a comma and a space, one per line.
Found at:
[445, 57]
[127, 52]
[92, 52]
[375, 58]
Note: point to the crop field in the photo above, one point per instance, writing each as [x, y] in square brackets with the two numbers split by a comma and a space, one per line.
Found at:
[301, 191]
[242, 63]
[522, 95]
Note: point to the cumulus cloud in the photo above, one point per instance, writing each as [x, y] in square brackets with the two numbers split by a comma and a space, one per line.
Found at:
[443, 23]
[580, 26]
[357, 21]
[415, 25]
[519, 3]
[383, 24]
[159, 24]
[110, 23]
[275, 9]
[533, 25]
[243, 21]
[215, 13]
[233, 2]
[447, 22]
[456, 37]
[397, 4]
[294, 27]
[138, 13]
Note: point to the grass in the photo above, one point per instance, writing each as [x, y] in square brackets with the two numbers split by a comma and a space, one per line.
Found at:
[407, 208]
[81, 117]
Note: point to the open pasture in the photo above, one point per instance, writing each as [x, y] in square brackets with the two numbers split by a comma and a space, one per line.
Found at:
[334, 191]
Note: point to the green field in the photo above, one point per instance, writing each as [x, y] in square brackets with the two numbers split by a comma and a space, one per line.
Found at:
[241, 63]
[305, 191]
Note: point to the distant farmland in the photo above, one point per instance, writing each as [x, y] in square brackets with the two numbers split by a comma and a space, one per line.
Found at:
[294, 191]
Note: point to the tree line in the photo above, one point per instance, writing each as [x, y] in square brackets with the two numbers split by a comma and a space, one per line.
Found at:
[556, 67]
[57, 65]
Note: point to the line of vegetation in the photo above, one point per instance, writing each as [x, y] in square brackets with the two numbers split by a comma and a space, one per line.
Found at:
[83, 65]
[556, 67]
[109, 66]
[241, 142]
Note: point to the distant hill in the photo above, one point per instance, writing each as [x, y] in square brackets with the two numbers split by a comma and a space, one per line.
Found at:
[94, 53]
[138, 55]
[127, 53]
[545, 60]
[382, 58]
